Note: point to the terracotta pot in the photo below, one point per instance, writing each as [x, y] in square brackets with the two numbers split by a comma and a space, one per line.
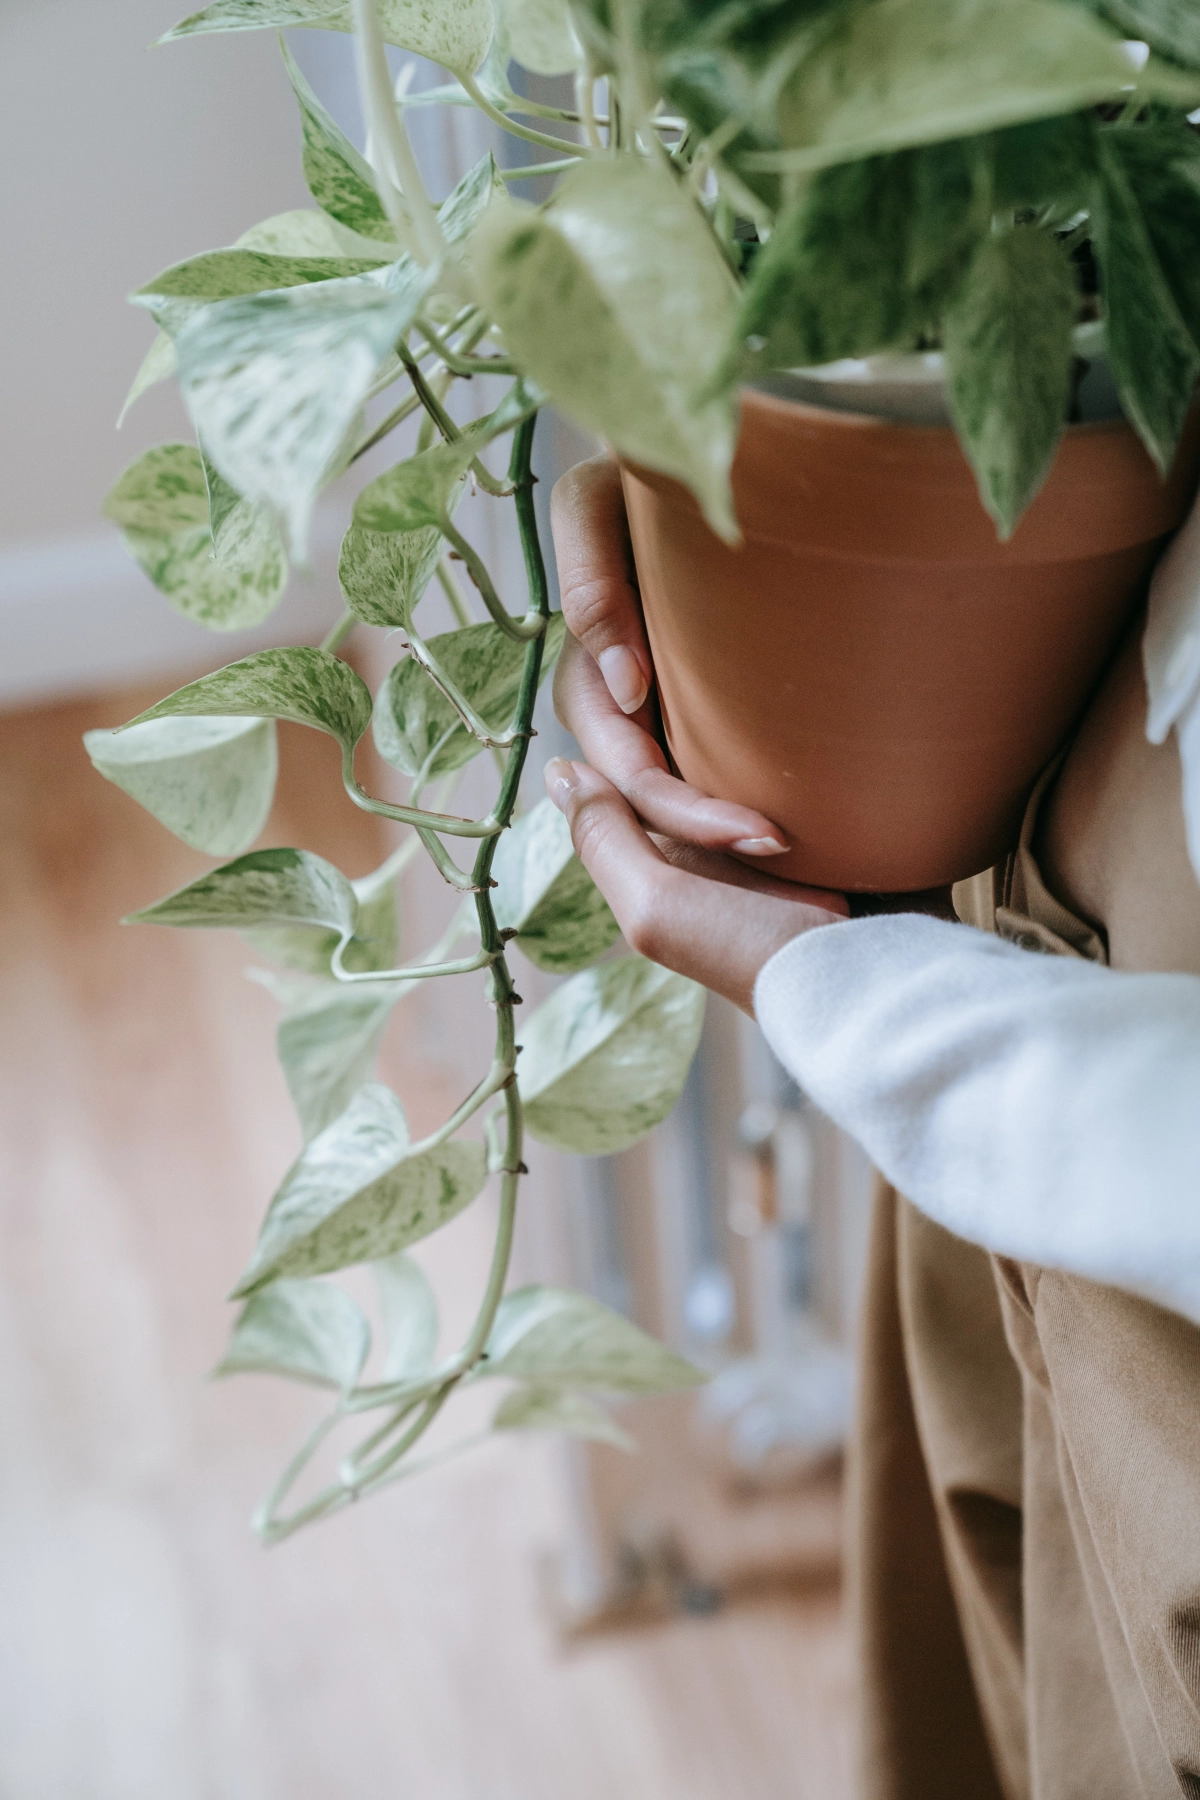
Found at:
[871, 667]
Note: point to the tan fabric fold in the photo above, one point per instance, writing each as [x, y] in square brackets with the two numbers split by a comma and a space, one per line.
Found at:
[1025, 1546]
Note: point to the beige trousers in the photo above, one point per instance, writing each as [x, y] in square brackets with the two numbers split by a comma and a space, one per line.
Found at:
[1026, 1481]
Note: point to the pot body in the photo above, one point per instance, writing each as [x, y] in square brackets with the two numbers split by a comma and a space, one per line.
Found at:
[871, 667]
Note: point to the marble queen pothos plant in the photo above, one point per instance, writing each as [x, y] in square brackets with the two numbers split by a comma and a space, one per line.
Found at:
[766, 184]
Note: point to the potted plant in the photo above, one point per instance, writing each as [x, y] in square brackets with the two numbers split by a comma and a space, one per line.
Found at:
[998, 189]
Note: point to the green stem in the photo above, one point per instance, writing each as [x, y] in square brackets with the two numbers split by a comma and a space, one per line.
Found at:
[522, 131]
[431, 1393]
[530, 171]
[531, 626]
[337, 634]
[464, 365]
[450, 588]
[386, 125]
[449, 430]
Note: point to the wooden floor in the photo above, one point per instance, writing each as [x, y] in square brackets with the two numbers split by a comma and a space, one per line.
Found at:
[149, 1650]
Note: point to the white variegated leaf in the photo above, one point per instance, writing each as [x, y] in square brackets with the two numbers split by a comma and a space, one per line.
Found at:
[546, 895]
[274, 381]
[310, 687]
[900, 72]
[413, 717]
[267, 887]
[339, 179]
[229, 577]
[356, 1193]
[554, 1338]
[616, 300]
[309, 949]
[226, 274]
[410, 1317]
[157, 365]
[328, 1039]
[558, 1409]
[210, 781]
[454, 33]
[541, 36]
[604, 1059]
[466, 203]
[309, 1330]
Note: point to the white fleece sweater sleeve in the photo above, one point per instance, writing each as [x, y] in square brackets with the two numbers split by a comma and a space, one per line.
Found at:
[1045, 1108]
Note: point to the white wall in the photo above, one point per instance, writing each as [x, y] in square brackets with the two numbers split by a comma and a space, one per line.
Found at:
[118, 161]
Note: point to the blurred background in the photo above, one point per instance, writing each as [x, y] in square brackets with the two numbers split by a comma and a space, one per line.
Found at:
[536, 1620]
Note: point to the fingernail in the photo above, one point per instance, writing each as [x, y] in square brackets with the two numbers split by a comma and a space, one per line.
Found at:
[560, 779]
[623, 676]
[760, 846]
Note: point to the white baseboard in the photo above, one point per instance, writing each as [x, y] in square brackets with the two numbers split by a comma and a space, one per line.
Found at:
[77, 615]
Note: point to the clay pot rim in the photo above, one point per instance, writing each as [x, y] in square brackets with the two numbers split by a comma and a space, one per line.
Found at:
[845, 418]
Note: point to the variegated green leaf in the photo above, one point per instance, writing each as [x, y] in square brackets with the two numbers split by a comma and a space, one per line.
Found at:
[328, 1039]
[616, 300]
[210, 781]
[307, 232]
[455, 33]
[562, 920]
[309, 1330]
[228, 575]
[466, 203]
[339, 179]
[356, 1193]
[541, 36]
[413, 717]
[267, 887]
[1155, 357]
[410, 1317]
[554, 1338]
[157, 365]
[558, 1409]
[900, 72]
[310, 687]
[224, 274]
[421, 491]
[309, 949]
[604, 1059]
[1008, 358]
[274, 381]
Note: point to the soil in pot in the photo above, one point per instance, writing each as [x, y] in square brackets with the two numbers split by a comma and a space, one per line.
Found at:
[871, 667]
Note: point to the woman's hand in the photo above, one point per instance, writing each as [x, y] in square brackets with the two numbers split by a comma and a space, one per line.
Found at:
[695, 911]
[677, 899]
[604, 675]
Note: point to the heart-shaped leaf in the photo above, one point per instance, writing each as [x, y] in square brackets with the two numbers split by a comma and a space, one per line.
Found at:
[307, 232]
[454, 33]
[541, 36]
[356, 1193]
[309, 1330]
[899, 72]
[383, 574]
[604, 1059]
[210, 781]
[310, 687]
[413, 717]
[274, 381]
[420, 492]
[1154, 356]
[224, 274]
[339, 179]
[410, 1317]
[555, 1338]
[558, 1409]
[466, 203]
[267, 887]
[1009, 356]
[309, 949]
[328, 1039]
[616, 300]
[228, 578]
[546, 895]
